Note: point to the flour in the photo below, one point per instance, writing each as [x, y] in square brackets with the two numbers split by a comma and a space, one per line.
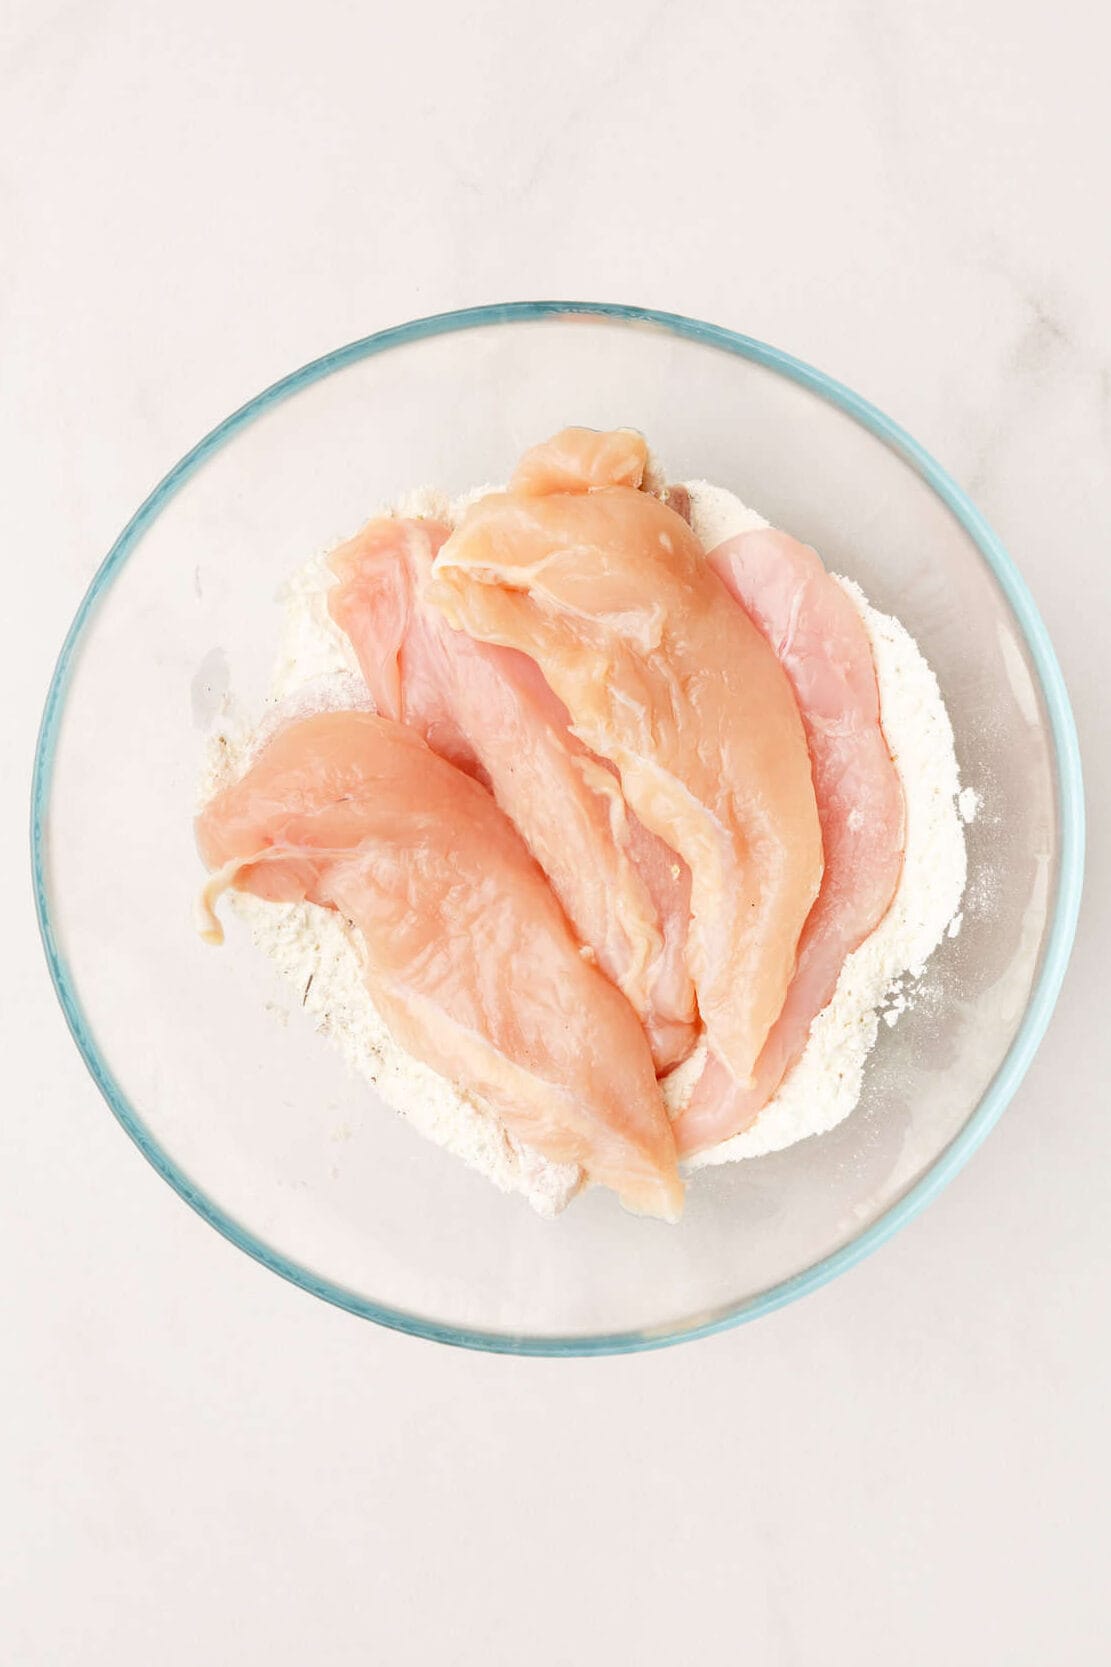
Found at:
[717, 515]
[320, 954]
[968, 804]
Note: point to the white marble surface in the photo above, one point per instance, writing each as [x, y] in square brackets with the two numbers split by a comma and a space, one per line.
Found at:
[200, 1463]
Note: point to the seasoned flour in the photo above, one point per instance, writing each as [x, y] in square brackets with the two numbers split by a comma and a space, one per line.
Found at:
[320, 954]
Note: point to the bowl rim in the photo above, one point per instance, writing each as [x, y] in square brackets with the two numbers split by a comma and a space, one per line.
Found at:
[1069, 796]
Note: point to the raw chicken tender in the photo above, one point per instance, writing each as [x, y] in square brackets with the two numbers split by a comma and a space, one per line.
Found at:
[469, 957]
[608, 590]
[821, 642]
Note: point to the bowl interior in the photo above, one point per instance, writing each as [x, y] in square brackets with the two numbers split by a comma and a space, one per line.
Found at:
[207, 1056]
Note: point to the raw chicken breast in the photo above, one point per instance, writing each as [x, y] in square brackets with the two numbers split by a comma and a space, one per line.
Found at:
[469, 957]
[581, 460]
[663, 674]
[821, 642]
[490, 711]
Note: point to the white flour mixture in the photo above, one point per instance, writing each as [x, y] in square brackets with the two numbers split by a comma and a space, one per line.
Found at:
[320, 955]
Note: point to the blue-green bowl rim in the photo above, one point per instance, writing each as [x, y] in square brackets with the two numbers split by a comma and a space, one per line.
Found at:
[1070, 802]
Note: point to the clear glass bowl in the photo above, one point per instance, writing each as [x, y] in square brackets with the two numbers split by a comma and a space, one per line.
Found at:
[207, 1061]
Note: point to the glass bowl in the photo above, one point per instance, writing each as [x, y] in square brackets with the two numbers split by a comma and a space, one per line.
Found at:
[207, 1060]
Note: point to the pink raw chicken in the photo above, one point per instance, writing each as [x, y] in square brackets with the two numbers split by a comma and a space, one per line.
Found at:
[609, 591]
[469, 957]
[582, 460]
[823, 646]
[490, 712]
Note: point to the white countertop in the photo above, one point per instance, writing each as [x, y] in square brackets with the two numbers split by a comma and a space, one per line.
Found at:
[200, 1463]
